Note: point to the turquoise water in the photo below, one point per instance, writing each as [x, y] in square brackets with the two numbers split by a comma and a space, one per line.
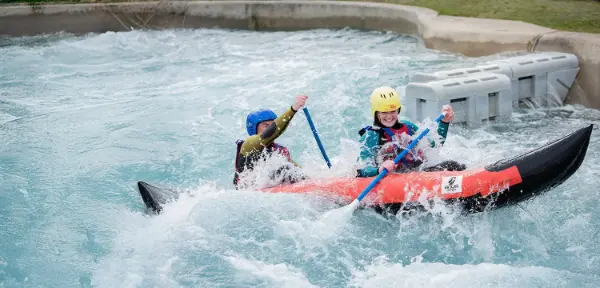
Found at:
[83, 118]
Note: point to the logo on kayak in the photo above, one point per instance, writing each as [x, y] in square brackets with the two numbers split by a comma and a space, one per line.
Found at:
[452, 184]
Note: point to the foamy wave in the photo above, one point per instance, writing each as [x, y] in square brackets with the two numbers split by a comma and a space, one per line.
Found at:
[381, 273]
[276, 275]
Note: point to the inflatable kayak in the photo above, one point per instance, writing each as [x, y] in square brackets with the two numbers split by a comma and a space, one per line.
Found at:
[496, 185]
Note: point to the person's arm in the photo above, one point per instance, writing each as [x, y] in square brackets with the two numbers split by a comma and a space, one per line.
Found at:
[442, 130]
[368, 151]
[444, 124]
[256, 143]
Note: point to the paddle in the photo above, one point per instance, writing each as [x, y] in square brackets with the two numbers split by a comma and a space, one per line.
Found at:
[384, 172]
[314, 130]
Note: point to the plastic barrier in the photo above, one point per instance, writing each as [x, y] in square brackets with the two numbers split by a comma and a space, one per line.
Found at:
[541, 79]
[474, 98]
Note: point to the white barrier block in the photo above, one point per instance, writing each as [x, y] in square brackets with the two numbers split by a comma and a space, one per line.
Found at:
[474, 98]
[500, 68]
[538, 79]
[558, 85]
[532, 64]
[542, 78]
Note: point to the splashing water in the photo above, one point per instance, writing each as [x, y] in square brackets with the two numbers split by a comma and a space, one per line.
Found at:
[83, 118]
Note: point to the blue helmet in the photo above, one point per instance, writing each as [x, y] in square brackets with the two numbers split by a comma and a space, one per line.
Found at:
[256, 117]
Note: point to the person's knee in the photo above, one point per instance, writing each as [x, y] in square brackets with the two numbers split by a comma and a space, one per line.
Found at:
[288, 175]
[452, 165]
[449, 165]
[455, 166]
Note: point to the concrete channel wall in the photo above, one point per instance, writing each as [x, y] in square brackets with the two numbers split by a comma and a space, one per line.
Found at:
[468, 36]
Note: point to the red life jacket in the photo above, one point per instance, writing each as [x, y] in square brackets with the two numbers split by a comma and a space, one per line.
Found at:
[272, 148]
[385, 137]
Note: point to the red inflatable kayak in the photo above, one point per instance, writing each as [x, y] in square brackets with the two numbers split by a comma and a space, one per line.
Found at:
[410, 187]
[496, 185]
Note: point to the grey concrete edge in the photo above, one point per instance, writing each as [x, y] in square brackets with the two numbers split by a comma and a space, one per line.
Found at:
[468, 36]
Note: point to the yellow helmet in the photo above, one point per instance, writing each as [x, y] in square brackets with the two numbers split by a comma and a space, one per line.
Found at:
[384, 99]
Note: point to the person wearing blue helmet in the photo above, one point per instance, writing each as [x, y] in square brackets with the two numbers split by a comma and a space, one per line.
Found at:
[264, 126]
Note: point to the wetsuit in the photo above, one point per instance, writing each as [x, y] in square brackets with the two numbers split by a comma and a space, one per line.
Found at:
[374, 138]
[257, 146]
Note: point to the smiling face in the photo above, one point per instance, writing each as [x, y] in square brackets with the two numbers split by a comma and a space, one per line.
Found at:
[388, 119]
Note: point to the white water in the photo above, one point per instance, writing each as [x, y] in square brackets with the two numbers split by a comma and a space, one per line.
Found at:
[83, 118]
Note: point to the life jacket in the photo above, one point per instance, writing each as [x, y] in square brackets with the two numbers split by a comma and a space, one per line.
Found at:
[385, 136]
[273, 147]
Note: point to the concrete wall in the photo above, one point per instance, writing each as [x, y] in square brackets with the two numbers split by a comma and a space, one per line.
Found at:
[469, 36]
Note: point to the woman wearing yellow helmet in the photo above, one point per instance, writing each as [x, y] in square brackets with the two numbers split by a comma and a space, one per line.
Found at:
[383, 141]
